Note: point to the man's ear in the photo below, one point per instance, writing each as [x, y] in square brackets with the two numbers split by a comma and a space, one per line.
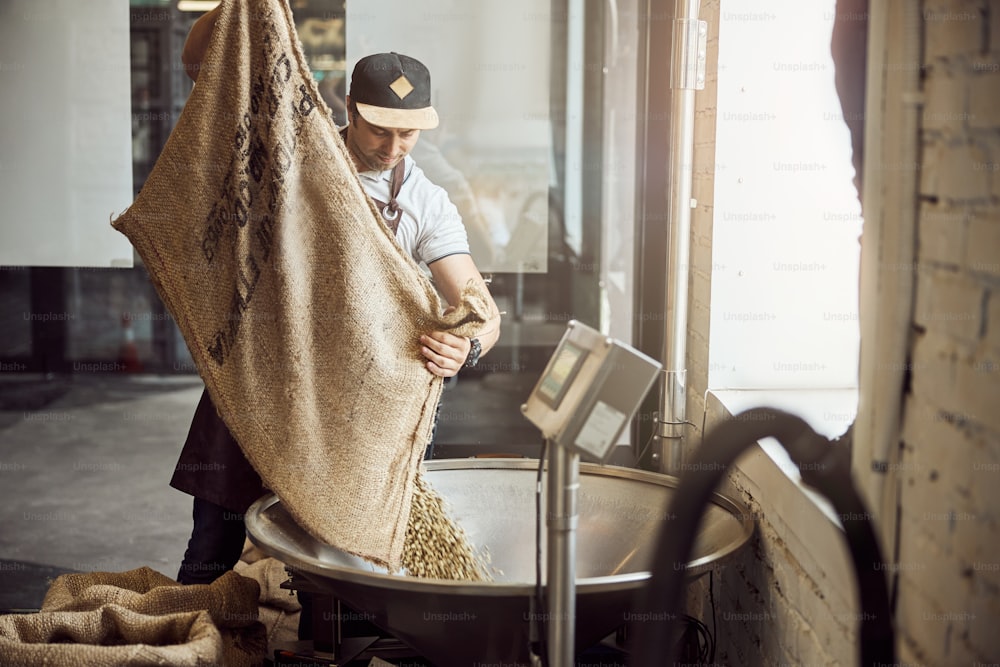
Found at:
[351, 112]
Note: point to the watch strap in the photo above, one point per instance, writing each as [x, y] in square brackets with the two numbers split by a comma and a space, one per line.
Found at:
[475, 349]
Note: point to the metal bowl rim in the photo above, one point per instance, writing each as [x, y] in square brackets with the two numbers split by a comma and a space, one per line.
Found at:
[310, 565]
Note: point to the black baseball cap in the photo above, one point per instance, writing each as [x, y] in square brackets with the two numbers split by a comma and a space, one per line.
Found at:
[393, 90]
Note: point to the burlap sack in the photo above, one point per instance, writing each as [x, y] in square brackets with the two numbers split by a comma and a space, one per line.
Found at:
[160, 607]
[279, 607]
[300, 311]
[109, 636]
[138, 617]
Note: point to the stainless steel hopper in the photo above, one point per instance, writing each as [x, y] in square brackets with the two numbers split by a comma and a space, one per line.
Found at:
[621, 511]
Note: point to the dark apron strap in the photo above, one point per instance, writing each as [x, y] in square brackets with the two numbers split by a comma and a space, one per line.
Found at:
[390, 210]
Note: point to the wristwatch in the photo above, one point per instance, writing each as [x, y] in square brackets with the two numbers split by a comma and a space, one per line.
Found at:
[475, 349]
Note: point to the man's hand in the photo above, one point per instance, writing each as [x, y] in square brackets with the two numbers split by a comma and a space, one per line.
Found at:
[445, 353]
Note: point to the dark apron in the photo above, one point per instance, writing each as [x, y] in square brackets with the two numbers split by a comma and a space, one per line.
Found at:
[212, 465]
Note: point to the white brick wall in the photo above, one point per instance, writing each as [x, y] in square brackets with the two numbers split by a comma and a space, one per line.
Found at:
[949, 301]
[948, 606]
[982, 257]
[952, 29]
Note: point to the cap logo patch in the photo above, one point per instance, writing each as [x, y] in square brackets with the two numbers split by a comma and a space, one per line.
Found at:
[401, 86]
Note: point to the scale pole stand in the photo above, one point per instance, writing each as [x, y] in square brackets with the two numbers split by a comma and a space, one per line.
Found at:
[562, 518]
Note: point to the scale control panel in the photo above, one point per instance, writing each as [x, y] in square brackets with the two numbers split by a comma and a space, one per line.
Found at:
[589, 390]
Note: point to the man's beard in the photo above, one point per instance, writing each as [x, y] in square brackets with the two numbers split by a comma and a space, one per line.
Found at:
[369, 163]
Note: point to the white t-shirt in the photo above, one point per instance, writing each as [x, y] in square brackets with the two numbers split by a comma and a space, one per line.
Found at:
[430, 226]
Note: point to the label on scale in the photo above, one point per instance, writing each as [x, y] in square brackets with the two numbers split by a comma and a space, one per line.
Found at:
[600, 429]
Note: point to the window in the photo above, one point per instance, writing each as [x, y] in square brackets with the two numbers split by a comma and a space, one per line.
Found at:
[787, 219]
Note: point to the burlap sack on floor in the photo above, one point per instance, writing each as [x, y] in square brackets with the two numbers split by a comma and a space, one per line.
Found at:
[300, 311]
[279, 607]
[138, 617]
[230, 601]
[109, 637]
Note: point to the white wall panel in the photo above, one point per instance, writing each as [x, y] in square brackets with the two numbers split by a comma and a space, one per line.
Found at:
[65, 132]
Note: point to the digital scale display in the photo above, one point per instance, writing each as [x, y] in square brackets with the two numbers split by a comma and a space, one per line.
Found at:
[564, 368]
[589, 390]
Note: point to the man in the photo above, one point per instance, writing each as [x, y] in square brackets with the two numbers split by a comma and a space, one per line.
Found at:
[385, 119]
[388, 106]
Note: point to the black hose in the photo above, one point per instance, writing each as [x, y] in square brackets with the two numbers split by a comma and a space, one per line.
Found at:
[826, 466]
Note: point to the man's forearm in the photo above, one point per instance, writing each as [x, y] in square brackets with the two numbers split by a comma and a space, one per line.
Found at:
[490, 333]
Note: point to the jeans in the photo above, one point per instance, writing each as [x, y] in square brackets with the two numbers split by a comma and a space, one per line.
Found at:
[215, 546]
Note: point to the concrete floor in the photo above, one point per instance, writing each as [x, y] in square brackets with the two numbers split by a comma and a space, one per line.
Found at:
[85, 462]
[84, 467]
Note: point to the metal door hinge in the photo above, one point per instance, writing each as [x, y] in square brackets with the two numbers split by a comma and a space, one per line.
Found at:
[689, 54]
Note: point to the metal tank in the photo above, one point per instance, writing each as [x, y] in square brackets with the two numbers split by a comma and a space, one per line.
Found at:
[622, 511]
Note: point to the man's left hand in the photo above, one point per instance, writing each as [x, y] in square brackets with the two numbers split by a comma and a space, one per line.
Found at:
[445, 353]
